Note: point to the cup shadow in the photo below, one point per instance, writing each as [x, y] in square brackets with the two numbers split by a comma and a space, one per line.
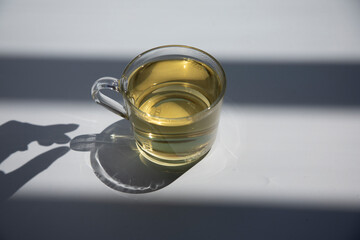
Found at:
[117, 162]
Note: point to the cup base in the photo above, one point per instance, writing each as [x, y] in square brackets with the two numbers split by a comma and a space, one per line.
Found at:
[166, 164]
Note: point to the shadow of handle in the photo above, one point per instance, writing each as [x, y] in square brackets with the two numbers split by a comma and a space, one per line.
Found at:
[11, 182]
[85, 143]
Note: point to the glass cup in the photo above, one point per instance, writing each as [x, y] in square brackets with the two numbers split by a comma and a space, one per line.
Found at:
[172, 96]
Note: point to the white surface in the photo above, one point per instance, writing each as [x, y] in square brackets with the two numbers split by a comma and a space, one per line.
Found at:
[275, 172]
[273, 155]
[251, 30]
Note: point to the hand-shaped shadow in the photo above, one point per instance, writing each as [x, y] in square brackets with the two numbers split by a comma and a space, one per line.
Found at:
[117, 162]
[15, 136]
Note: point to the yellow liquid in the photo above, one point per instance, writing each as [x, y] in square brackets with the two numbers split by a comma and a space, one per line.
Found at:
[170, 94]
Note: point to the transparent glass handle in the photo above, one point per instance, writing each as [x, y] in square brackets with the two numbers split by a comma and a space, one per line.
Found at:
[108, 83]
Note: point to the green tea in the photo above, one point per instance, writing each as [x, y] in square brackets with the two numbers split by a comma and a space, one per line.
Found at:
[173, 127]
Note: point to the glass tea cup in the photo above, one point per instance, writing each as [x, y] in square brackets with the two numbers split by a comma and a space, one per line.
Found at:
[172, 96]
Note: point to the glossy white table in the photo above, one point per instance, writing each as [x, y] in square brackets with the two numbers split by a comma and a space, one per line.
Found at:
[286, 161]
[273, 155]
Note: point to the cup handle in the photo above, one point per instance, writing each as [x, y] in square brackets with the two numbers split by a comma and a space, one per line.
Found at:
[108, 83]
